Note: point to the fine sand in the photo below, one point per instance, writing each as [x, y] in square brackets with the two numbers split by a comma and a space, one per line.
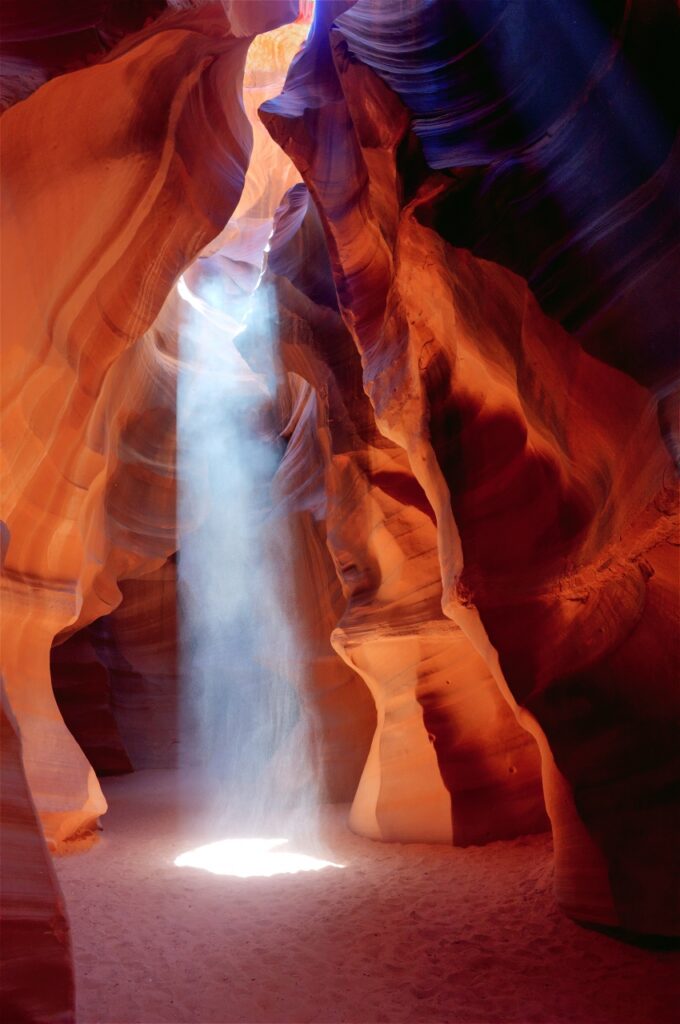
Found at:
[401, 933]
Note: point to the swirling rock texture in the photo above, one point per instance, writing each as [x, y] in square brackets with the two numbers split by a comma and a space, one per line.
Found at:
[88, 396]
[493, 183]
[42, 39]
[448, 761]
[476, 397]
[114, 179]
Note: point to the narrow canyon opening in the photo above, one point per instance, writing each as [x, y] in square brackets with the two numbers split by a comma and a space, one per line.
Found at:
[339, 512]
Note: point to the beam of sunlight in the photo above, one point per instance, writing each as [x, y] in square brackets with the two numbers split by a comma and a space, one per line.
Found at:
[248, 858]
[245, 729]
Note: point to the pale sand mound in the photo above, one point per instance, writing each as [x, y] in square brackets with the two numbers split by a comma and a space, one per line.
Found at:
[403, 933]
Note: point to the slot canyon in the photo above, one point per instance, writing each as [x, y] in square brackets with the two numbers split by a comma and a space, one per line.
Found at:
[340, 633]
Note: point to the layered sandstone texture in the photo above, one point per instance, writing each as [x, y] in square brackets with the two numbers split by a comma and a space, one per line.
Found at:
[90, 365]
[141, 162]
[42, 38]
[474, 297]
[448, 761]
[494, 186]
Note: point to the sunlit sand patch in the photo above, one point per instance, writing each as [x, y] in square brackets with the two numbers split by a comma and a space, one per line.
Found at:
[247, 858]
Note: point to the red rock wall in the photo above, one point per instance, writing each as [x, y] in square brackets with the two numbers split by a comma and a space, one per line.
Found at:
[37, 972]
[546, 469]
[476, 398]
[44, 38]
[448, 761]
[98, 222]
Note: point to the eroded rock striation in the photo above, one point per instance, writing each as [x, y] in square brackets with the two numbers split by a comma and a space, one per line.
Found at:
[448, 762]
[149, 174]
[538, 442]
[474, 294]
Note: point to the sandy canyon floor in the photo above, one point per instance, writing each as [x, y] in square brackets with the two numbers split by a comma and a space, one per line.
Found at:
[400, 934]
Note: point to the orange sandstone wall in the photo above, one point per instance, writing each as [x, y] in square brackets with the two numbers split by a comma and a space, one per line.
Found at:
[140, 162]
[545, 469]
[475, 397]
[447, 762]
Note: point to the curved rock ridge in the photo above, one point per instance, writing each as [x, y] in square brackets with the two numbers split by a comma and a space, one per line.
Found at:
[448, 761]
[44, 38]
[476, 386]
[232, 263]
[148, 172]
[545, 470]
[504, 96]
